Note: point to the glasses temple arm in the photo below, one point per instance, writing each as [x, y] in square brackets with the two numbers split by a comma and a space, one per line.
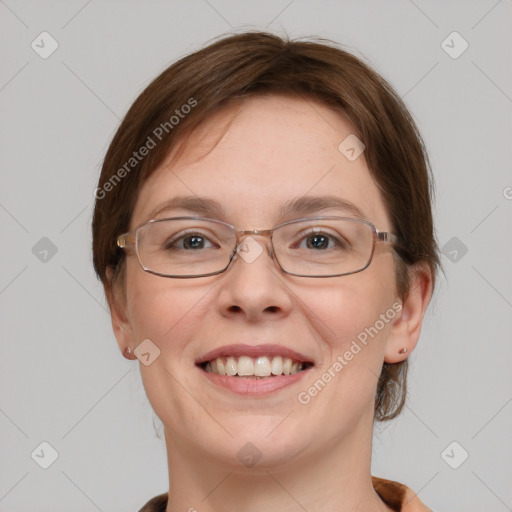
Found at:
[126, 240]
[383, 236]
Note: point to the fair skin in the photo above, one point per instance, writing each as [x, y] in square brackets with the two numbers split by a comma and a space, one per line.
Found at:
[314, 456]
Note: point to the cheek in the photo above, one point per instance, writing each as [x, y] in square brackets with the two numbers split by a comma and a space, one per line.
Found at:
[163, 309]
[352, 317]
[168, 312]
[350, 309]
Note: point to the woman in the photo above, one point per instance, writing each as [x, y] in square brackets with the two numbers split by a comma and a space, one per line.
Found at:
[263, 231]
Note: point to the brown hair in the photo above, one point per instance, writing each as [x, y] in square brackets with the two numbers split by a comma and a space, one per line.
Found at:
[256, 63]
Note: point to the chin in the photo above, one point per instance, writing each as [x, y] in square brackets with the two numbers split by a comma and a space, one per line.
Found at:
[258, 445]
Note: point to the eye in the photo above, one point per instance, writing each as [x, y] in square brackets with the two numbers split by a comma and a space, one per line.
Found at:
[317, 239]
[191, 240]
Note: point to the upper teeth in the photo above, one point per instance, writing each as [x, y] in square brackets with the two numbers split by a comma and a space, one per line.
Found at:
[245, 366]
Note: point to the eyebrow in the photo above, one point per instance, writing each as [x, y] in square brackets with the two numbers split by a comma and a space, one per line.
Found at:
[311, 204]
[203, 206]
[305, 205]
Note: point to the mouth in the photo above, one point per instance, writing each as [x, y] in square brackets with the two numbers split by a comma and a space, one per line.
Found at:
[260, 367]
[253, 370]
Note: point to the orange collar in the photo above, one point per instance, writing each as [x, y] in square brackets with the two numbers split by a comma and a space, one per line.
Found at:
[398, 496]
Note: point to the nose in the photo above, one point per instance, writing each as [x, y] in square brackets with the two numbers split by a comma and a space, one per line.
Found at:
[253, 287]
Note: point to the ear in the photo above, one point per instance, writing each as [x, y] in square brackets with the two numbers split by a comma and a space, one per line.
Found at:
[406, 328]
[120, 324]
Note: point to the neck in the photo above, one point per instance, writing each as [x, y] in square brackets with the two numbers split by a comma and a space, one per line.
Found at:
[337, 479]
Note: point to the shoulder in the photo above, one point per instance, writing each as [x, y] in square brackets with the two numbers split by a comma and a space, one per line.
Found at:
[398, 496]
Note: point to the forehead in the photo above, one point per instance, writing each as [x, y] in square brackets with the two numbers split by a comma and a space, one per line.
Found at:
[256, 157]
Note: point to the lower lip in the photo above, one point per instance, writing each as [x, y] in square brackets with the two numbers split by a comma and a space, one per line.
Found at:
[254, 387]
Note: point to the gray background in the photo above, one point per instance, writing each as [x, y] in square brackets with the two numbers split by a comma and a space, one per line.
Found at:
[62, 378]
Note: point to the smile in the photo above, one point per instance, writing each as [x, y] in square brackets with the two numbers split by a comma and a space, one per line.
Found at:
[259, 367]
[254, 370]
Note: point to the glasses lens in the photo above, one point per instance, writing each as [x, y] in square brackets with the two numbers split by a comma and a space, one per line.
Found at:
[324, 247]
[185, 247]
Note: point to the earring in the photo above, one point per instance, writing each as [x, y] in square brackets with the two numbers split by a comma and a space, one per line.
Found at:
[402, 351]
[128, 354]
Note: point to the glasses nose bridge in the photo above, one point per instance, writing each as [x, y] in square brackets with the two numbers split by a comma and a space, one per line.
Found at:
[267, 233]
[257, 232]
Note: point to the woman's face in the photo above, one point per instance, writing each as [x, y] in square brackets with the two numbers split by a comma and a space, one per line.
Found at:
[277, 149]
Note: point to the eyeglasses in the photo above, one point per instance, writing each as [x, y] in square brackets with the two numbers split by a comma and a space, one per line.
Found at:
[187, 247]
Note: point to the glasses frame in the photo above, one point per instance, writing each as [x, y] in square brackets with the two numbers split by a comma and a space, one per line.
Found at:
[130, 240]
